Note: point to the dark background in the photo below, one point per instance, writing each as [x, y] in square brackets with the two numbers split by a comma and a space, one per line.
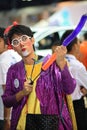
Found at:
[10, 4]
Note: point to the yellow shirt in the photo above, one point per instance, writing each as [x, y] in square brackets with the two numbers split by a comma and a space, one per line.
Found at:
[33, 104]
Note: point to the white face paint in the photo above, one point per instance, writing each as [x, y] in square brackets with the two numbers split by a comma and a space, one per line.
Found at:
[25, 53]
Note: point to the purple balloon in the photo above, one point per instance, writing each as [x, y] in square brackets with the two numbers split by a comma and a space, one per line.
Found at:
[67, 40]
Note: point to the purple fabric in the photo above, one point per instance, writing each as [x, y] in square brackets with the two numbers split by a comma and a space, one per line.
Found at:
[15, 72]
[53, 78]
[51, 87]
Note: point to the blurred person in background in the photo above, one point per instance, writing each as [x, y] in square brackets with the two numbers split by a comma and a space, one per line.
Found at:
[79, 72]
[45, 95]
[83, 50]
[7, 58]
[85, 36]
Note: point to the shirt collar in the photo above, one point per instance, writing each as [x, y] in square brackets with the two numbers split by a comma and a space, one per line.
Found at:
[70, 56]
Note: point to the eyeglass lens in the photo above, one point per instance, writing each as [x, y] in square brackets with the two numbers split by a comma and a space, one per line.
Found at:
[23, 38]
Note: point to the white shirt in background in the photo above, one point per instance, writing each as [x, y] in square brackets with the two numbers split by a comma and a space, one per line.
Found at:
[79, 72]
[7, 58]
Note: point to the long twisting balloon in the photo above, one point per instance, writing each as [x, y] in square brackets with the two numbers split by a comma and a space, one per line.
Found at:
[67, 40]
[76, 31]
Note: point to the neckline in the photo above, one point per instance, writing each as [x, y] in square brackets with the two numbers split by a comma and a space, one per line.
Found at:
[31, 81]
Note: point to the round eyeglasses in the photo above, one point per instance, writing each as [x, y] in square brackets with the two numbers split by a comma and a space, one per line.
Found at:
[16, 42]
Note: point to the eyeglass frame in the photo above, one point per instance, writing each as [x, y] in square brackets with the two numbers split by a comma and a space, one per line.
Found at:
[19, 40]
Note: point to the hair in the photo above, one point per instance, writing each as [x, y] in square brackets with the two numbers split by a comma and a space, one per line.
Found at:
[19, 30]
[56, 43]
[2, 29]
[85, 36]
[71, 44]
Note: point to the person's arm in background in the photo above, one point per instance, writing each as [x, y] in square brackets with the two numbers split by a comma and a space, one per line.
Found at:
[82, 74]
[7, 112]
[83, 90]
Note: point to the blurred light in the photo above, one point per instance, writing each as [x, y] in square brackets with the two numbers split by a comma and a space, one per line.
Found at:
[26, 0]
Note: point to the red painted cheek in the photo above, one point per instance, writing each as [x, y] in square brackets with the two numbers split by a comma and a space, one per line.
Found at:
[29, 44]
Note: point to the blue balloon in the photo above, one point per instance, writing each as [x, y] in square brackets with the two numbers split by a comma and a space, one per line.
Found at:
[76, 31]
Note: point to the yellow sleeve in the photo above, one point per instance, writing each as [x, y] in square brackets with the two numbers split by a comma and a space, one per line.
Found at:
[71, 110]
